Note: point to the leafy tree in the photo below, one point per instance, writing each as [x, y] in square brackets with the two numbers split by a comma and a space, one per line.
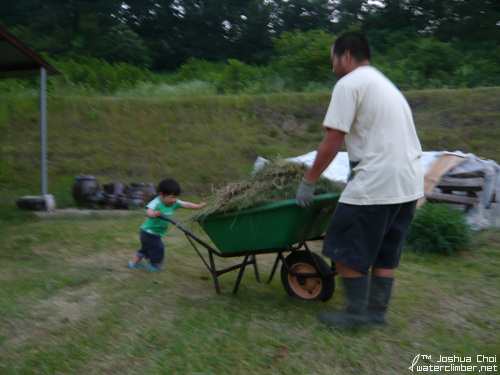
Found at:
[349, 13]
[203, 28]
[248, 31]
[303, 15]
[157, 24]
[419, 43]
[470, 21]
[123, 44]
[419, 63]
[61, 26]
[303, 57]
[393, 15]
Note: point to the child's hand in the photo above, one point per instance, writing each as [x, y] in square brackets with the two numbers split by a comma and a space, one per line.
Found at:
[152, 214]
[203, 204]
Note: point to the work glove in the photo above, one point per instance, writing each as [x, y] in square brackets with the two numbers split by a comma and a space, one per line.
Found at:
[305, 193]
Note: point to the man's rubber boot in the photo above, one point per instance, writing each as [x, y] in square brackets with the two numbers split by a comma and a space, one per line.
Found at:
[356, 292]
[380, 293]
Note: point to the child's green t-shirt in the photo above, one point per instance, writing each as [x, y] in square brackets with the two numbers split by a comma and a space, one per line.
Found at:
[159, 227]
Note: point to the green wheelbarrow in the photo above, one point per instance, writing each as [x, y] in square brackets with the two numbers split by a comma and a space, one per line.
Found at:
[279, 228]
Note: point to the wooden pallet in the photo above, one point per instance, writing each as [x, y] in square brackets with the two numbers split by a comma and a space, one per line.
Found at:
[458, 190]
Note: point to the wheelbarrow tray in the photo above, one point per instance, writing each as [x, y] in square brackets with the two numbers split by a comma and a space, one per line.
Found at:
[274, 226]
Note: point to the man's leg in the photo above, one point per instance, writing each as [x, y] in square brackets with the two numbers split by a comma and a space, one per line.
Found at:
[346, 271]
[355, 291]
[353, 241]
[382, 278]
[381, 282]
[383, 272]
[349, 242]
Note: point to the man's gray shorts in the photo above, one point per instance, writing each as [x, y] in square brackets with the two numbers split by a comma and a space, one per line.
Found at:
[362, 237]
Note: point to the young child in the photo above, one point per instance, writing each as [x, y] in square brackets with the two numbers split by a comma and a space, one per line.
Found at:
[154, 229]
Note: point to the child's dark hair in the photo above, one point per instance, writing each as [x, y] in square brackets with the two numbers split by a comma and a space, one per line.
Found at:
[169, 186]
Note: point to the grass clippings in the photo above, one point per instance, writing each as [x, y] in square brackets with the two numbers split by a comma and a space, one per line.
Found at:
[275, 181]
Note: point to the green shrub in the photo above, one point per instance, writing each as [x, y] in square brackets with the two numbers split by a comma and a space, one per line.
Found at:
[99, 75]
[439, 229]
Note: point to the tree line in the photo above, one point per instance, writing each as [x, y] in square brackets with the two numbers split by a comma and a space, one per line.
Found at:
[419, 43]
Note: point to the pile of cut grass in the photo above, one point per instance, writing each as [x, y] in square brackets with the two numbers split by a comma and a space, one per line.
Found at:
[275, 181]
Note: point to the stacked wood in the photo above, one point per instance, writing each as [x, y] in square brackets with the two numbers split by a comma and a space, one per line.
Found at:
[459, 190]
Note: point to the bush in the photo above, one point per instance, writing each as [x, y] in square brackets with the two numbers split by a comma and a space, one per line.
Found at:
[439, 229]
[99, 75]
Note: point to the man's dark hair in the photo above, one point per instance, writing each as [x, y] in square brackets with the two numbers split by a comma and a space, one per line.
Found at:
[356, 43]
[169, 186]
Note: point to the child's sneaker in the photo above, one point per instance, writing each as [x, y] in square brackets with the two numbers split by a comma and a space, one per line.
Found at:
[133, 266]
[155, 268]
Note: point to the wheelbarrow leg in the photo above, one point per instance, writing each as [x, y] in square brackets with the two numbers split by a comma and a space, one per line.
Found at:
[214, 273]
[278, 258]
[240, 274]
[256, 268]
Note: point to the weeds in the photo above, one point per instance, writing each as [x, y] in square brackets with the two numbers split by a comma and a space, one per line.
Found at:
[440, 229]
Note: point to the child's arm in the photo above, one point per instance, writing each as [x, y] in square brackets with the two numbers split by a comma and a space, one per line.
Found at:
[152, 213]
[193, 206]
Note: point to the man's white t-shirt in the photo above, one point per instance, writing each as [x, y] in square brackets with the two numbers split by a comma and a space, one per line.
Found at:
[380, 135]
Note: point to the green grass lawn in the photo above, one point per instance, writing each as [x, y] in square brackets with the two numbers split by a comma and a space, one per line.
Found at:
[69, 305]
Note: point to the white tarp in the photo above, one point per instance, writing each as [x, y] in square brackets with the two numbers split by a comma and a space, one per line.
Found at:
[483, 215]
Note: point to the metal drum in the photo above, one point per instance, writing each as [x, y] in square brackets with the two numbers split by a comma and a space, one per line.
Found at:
[115, 188]
[114, 195]
[141, 191]
[85, 191]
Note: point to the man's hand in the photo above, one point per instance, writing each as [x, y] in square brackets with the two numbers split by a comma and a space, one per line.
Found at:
[305, 193]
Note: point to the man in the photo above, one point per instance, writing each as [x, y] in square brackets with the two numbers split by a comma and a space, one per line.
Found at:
[375, 210]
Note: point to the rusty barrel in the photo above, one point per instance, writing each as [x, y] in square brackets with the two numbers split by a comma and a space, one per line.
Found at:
[85, 189]
[114, 195]
[115, 188]
[145, 192]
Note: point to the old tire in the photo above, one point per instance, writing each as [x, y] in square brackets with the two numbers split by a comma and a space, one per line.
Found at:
[308, 288]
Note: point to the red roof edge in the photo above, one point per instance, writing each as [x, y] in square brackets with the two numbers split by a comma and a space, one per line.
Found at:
[28, 52]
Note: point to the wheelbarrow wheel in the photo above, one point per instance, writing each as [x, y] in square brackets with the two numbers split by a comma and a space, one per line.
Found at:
[309, 288]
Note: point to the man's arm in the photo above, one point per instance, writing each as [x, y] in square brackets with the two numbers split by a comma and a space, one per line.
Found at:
[327, 150]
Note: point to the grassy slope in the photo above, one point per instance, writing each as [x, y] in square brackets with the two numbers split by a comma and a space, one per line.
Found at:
[205, 141]
[465, 120]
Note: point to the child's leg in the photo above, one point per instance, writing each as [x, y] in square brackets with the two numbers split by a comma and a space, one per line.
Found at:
[158, 254]
[141, 253]
[137, 258]
[152, 248]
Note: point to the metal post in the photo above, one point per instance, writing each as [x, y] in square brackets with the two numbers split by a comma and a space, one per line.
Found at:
[43, 128]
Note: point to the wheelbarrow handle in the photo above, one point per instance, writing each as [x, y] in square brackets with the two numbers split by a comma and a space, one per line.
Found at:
[190, 234]
[172, 221]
